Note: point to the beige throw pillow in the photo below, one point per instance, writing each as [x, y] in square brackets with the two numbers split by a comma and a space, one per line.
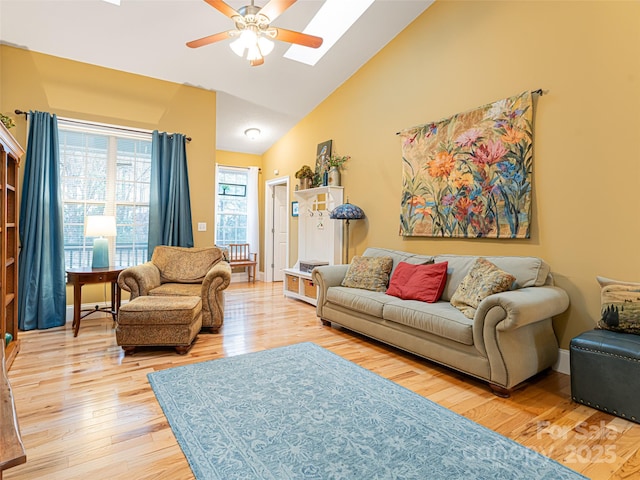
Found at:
[369, 273]
[483, 279]
[620, 305]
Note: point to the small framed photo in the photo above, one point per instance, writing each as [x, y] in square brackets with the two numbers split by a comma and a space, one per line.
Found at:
[323, 154]
[294, 209]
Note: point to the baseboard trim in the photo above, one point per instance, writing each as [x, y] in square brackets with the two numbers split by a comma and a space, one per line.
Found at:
[240, 277]
[563, 364]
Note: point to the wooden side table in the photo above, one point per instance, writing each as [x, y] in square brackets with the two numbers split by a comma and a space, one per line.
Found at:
[81, 276]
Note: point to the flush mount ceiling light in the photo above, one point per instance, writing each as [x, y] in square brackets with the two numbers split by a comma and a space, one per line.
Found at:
[253, 32]
[252, 133]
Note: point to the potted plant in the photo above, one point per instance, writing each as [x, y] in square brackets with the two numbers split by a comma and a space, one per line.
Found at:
[334, 163]
[305, 175]
[7, 121]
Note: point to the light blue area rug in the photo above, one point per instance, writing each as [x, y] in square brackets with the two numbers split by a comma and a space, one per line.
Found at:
[301, 412]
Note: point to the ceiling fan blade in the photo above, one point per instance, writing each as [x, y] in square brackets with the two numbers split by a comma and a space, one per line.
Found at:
[298, 38]
[274, 8]
[201, 42]
[223, 8]
[259, 61]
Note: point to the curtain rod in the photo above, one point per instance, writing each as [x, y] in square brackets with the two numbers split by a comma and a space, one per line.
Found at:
[82, 122]
[537, 92]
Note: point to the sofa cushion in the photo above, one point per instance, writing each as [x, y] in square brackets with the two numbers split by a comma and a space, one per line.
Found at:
[620, 305]
[418, 282]
[149, 310]
[177, 290]
[369, 273]
[185, 265]
[398, 256]
[438, 318]
[483, 279]
[363, 301]
[528, 271]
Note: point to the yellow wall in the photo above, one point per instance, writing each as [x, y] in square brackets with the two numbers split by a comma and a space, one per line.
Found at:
[33, 81]
[454, 57]
[459, 55]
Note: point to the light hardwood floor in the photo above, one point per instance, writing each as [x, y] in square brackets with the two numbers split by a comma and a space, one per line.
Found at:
[87, 411]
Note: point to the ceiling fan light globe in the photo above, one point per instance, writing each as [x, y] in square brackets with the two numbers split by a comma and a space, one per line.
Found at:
[238, 47]
[253, 53]
[248, 37]
[265, 45]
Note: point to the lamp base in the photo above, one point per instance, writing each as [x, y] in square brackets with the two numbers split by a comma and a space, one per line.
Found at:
[100, 253]
[346, 253]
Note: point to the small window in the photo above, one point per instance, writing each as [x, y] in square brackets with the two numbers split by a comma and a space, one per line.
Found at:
[231, 205]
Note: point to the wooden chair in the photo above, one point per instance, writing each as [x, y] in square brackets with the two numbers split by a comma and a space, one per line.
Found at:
[239, 256]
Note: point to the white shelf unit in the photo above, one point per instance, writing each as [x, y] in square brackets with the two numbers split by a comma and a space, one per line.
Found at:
[319, 238]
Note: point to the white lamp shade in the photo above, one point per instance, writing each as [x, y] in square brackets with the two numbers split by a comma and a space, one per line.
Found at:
[253, 53]
[265, 45]
[100, 226]
[256, 46]
[247, 40]
[238, 47]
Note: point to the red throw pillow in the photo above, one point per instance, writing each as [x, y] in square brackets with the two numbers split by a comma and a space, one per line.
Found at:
[418, 282]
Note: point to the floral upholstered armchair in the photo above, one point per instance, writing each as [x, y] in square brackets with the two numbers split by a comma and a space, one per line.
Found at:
[201, 272]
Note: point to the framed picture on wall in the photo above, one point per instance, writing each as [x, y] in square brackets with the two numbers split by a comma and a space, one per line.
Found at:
[294, 209]
[323, 153]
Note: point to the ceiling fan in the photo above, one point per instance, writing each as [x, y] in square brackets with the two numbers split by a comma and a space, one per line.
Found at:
[253, 32]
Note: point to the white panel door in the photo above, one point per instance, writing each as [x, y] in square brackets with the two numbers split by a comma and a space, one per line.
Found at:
[280, 231]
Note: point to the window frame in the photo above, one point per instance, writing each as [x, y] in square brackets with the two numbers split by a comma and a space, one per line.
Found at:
[109, 205]
[220, 215]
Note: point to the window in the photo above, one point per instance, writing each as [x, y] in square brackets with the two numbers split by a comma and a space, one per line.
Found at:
[104, 171]
[231, 205]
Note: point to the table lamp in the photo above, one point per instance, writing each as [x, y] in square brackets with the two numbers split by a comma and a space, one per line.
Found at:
[100, 226]
[347, 212]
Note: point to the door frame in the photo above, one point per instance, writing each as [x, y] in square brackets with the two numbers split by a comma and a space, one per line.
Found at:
[269, 193]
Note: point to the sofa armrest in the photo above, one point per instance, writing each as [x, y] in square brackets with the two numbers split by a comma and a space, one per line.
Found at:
[514, 331]
[217, 278]
[213, 286]
[324, 277]
[524, 306]
[329, 275]
[139, 279]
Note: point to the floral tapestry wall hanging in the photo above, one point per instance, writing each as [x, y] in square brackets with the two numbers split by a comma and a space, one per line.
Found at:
[470, 175]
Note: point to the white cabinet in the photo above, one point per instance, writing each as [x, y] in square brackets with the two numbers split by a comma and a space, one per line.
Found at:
[298, 285]
[319, 238]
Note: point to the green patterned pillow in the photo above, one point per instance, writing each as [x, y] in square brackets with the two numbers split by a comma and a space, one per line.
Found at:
[369, 273]
[620, 303]
[483, 279]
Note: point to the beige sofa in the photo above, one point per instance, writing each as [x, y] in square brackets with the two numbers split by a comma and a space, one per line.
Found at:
[509, 339]
[200, 272]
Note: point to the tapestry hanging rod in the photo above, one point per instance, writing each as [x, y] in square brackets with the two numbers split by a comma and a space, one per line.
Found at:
[537, 92]
[80, 122]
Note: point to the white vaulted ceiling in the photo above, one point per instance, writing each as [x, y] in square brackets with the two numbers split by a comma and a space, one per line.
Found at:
[148, 37]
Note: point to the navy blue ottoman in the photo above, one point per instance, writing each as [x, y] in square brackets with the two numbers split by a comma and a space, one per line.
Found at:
[605, 372]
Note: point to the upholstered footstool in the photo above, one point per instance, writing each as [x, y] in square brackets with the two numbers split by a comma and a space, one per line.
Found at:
[605, 372]
[159, 321]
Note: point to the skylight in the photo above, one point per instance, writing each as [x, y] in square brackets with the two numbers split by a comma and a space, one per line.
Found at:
[333, 19]
[115, 2]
